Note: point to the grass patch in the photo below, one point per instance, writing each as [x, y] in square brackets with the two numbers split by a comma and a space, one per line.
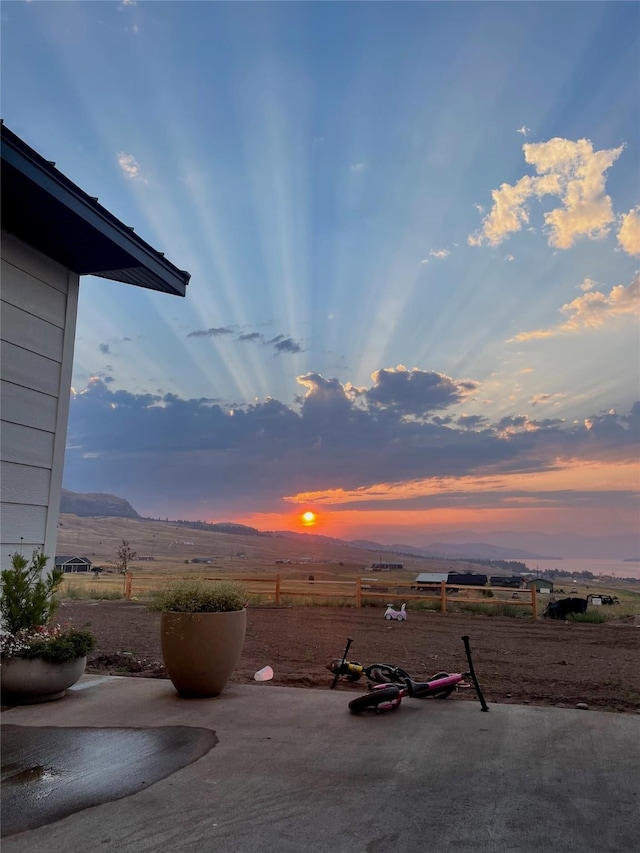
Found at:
[511, 611]
[434, 606]
[593, 617]
[93, 593]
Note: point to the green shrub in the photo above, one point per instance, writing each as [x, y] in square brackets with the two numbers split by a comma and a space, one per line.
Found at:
[69, 645]
[27, 599]
[199, 597]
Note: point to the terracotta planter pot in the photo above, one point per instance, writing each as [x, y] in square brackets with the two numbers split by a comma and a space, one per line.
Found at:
[201, 650]
[27, 681]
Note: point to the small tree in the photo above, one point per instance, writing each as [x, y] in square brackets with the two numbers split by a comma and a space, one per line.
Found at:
[125, 555]
[27, 598]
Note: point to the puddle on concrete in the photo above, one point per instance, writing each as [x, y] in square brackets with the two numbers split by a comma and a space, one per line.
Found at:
[50, 772]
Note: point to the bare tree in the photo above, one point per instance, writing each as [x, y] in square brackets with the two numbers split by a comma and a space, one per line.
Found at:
[125, 555]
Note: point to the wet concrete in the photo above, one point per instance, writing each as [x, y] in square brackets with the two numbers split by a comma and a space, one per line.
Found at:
[295, 771]
[49, 773]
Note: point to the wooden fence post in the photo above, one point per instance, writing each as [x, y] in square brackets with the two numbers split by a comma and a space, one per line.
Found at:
[358, 592]
[128, 577]
[443, 596]
[534, 602]
[277, 589]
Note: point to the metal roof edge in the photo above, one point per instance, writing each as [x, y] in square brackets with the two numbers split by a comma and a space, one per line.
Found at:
[17, 153]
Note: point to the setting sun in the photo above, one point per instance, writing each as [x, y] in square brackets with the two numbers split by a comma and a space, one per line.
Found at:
[308, 518]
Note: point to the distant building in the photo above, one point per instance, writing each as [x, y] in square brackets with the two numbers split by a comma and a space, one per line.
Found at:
[73, 564]
[467, 578]
[541, 584]
[425, 580]
[385, 567]
[498, 580]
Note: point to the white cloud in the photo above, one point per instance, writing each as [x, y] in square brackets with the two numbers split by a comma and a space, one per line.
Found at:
[441, 254]
[592, 310]
[424, 261]
[573, 172]
[595, 308]
[130, 167]
[509, 258]
[358, 167]
[587, 284]
[629, 233]
[524, 130]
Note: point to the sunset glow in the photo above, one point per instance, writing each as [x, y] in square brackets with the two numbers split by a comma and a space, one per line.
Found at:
[413, 307]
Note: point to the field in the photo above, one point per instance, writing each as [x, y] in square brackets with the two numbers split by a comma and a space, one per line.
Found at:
[542, 663]
[518, 660]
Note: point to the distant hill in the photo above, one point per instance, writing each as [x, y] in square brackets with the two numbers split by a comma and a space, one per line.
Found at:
[461, 551]
[222, 527]
[91, 505]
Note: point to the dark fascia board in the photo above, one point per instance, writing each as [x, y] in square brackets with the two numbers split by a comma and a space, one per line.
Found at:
[147, 267]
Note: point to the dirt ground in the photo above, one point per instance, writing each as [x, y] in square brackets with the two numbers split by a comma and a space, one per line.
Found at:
[517, 661]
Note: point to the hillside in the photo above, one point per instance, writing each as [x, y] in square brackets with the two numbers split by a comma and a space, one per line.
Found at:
[169, 544]
[89, 505]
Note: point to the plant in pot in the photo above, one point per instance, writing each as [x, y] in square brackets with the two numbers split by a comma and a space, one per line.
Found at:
[202, 631]
[38, 660]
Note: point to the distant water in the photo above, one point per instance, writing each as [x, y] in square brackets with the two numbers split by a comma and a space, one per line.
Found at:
[615, 568]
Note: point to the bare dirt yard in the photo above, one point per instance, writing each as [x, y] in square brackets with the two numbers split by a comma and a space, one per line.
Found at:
[517, 660]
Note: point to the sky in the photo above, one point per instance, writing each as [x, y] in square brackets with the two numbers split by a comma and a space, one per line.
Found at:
[413, 233]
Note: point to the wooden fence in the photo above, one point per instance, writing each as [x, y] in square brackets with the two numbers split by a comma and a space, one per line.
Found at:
[277, 588]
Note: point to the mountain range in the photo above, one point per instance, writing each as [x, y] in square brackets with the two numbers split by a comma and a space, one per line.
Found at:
[495, 545]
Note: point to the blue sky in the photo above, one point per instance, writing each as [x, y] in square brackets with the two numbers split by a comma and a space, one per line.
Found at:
[413, 234]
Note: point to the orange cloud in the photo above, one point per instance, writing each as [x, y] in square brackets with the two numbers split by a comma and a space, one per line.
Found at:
[573, 172]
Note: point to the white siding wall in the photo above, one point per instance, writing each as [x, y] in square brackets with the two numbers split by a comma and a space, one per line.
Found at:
[39, 300]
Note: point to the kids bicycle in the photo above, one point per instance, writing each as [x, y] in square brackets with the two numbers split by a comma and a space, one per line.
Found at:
[392, 683]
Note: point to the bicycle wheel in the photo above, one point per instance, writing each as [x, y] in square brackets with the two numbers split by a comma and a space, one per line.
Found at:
[372, 701]
[383, 673]
[443, 695]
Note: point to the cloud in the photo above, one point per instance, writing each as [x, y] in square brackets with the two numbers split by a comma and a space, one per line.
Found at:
[211, 333]
[280, 343]
[509, 258]
[131, 167]
[571, 171]
[358, 167]
[546, 399]
[596, 308]
[287, 345]
[592, 310]
[204, 456]
[424, 261]
[587, 284]
[629, 233]
[524, 130]
[104, 349]
[415, 392]
[441, 254]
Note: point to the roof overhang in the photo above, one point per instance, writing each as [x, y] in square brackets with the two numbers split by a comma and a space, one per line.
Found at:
[45, 209]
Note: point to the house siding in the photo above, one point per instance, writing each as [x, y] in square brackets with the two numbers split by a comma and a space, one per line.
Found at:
[39, 304]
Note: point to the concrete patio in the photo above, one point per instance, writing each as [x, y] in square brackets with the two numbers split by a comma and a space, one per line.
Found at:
[267, 768]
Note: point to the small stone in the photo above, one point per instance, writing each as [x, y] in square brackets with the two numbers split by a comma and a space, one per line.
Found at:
[508, 695]
[582, 706]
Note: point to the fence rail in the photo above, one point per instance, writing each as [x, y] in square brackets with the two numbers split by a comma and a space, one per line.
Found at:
[276, 588]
